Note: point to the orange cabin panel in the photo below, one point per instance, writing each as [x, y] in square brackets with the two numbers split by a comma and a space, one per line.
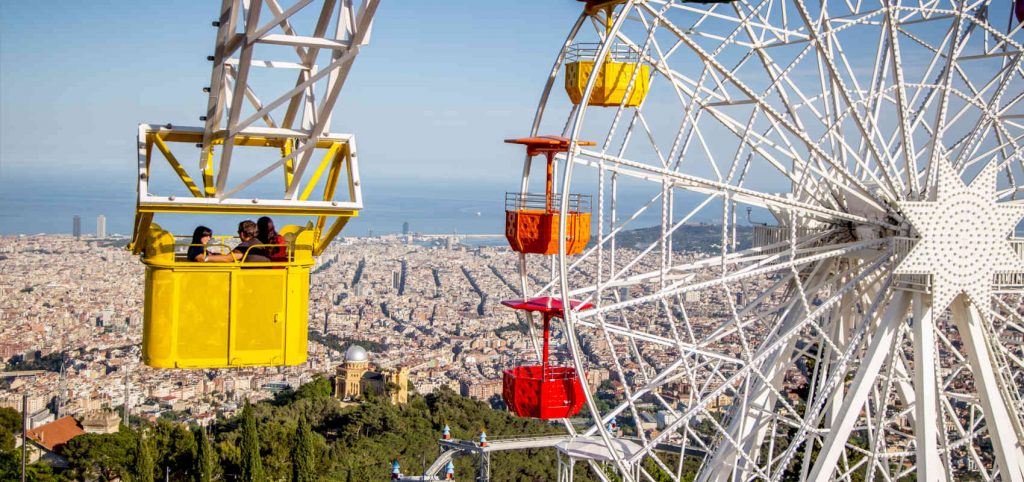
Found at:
[536, 231]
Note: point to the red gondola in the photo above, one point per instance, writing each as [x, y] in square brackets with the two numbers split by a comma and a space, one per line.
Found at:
[543, 391]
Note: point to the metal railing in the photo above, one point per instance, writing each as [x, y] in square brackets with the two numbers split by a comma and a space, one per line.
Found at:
[1005, 281]
[578, 203]
[537, 373]
[221, 247]
[618, 52]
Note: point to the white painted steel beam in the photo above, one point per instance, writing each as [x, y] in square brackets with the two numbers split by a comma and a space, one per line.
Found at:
[1006, 442]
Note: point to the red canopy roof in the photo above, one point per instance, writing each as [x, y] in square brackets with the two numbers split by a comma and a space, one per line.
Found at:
[539, 144]
[545, 304]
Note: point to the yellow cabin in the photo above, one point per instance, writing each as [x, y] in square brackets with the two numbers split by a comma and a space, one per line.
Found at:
[236, 313]
[220, 315]
[622, 79]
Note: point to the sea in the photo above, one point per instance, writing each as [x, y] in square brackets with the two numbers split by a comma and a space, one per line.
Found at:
[42, 204]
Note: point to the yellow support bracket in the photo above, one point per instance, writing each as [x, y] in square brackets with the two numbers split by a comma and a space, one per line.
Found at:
[323, 241]
[209, 189]
[142, 222]
[177, 166]
[328, 159]
[331, 185]
[289, 165]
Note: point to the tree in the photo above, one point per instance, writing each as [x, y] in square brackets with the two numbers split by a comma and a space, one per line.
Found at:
[303, 469]
[100, 456]
[319, 387]
[143, 459]
[173, 446]
[252, 466]
[10, 424]
[202, 470]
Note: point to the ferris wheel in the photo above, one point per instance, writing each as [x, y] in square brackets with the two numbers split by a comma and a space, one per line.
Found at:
[859, 315]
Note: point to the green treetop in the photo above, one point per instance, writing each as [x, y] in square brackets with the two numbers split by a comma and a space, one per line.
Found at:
[143, 460]
[303, 461]
[202, 469]
[252, 465]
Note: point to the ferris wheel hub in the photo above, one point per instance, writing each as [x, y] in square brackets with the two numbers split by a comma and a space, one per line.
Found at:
[962, 236]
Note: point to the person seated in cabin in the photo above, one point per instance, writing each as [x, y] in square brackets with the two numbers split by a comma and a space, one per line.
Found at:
[268, 235]
[249, 249]
[197, 249]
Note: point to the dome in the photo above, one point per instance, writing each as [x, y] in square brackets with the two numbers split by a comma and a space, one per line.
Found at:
[356, 353]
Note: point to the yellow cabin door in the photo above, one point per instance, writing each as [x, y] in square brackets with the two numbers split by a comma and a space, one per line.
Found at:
[203, 324]
[258, 320]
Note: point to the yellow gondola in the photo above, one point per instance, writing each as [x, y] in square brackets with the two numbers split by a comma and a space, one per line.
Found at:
[622, 79]
[240, 313]
[233, 314]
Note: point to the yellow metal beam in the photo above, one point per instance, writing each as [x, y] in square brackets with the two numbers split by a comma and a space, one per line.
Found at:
[331, 185]
[182, 174]
[243, 209]
[209, 189]
[289, 165]
[323, 241]
[141, 230]
[240, 140]
[329, 158]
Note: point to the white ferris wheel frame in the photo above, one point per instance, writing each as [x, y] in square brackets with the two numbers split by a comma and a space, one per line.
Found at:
[887, 308]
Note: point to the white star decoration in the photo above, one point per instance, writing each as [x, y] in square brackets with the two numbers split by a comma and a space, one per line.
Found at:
[963, 237]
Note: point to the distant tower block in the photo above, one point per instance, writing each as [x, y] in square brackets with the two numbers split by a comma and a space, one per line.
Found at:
[101, 226]
[405, 228]
[76, 227]
[396, 280]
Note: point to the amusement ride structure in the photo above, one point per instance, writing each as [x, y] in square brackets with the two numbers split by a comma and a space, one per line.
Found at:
[277, 74]
[858, 316]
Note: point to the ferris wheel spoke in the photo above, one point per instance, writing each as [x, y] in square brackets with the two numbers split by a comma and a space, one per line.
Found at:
[892, 185]
[768, 109]
[762, 396]
[925, 404]
[990, 116]
[938, 124]
[902, 107]
[769, 348]
[1005, 437]
[747, 196]
[860, 388]
[734, 277]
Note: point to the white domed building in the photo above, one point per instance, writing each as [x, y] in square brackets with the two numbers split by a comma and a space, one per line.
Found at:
[354, 378]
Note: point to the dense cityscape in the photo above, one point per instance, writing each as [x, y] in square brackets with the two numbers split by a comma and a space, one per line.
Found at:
[393, 314]
[428, 304]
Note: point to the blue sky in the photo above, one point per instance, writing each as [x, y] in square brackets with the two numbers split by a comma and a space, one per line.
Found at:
[76, 78]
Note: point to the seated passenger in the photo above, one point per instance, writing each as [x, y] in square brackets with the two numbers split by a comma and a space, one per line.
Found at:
[248, 250]
[197, 249]
[268, 235]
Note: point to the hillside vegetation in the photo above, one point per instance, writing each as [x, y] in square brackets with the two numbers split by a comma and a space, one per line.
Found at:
[302, 435]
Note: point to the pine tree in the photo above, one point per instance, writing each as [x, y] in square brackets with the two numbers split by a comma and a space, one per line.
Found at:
[252, 466]
[303, 469]
[202, 469]
[143, 459]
